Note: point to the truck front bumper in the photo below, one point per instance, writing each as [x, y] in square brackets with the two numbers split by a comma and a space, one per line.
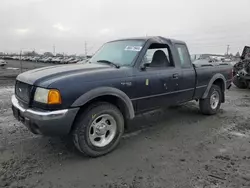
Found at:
[51, 123]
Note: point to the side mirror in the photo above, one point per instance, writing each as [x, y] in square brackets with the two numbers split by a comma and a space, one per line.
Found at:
[144, 66]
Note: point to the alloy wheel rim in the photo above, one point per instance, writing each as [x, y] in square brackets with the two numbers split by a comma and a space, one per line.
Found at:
[102, 130]
[214, 100]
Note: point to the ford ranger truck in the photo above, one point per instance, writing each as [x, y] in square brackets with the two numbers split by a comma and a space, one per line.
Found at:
[91, 102]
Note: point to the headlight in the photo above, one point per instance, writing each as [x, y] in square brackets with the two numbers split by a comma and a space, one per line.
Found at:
[47, 96]
[41, 95]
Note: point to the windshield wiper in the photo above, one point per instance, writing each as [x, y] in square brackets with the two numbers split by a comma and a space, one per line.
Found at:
[109, 62]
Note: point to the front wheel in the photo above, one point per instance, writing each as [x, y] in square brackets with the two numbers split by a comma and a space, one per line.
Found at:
[211, 104]
[98, 129]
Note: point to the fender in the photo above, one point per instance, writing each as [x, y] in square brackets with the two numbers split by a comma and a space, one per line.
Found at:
[101, 91]
[213, 79]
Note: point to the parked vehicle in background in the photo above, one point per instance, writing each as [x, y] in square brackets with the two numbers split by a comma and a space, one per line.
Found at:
[75, 60]
[55, 60]
[31, 58]
[16, 57]
[2, 62]
[35, 59]
[241, 70]
[82, 61]
[93, 101]
[26, 58]
[64, 60]
[227, 60]
[60, 60]
[43, 59]
[48, 60]
[67, 60]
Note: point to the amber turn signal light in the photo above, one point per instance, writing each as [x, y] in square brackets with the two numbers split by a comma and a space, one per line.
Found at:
[54, 97]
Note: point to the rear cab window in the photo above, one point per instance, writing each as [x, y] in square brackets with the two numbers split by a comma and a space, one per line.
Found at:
[184, 55]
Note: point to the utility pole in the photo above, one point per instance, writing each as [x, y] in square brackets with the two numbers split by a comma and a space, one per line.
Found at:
[228, 46]
[54, 50]
[21, 62]
[86, 50]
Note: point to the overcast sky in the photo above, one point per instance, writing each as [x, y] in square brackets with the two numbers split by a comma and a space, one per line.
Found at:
[206, 25]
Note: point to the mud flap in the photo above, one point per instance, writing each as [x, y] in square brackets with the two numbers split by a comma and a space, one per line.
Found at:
[228, 87]
[223, 97]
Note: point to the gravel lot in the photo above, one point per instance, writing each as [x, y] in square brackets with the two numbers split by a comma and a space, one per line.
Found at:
[173, 148]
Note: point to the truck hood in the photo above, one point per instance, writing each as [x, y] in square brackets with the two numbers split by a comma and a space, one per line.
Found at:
[53, 73]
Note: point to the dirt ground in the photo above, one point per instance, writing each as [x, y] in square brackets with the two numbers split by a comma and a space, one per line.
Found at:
[172, 148]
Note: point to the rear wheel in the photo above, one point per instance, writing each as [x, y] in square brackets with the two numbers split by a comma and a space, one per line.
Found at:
[239, 83]
[211, 104]
[98, 129]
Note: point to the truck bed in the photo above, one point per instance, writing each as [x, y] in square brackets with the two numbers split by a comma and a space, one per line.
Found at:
[204, 69]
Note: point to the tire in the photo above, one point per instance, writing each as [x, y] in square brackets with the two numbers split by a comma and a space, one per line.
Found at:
[238, 83]
[85, 134]
[211, 108]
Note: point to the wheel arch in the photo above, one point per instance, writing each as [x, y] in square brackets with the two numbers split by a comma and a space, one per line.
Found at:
[219, 80]
[107, 94]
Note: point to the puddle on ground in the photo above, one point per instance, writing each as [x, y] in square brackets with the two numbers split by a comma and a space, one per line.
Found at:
[12, 68]
[242, 135]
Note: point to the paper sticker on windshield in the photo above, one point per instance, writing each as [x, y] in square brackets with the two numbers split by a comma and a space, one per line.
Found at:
[133, 48]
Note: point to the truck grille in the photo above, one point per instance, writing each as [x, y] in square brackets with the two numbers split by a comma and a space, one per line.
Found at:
[23, 91]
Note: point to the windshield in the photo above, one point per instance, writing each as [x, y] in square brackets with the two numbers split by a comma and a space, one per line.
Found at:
[121, 53]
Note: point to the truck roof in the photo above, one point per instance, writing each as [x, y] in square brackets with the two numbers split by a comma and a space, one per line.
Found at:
[157, 39]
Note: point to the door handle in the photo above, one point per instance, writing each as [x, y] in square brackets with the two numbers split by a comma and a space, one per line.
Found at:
[175, 76]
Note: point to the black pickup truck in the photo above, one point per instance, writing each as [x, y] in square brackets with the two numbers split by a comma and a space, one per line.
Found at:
[92, 101]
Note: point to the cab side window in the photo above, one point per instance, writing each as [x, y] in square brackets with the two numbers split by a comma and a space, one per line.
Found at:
[184, 56]
[158, 55]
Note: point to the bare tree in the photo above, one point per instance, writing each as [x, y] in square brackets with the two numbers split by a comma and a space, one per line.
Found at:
[48, 54]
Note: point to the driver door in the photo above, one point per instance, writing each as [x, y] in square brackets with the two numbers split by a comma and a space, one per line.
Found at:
[156, 85]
